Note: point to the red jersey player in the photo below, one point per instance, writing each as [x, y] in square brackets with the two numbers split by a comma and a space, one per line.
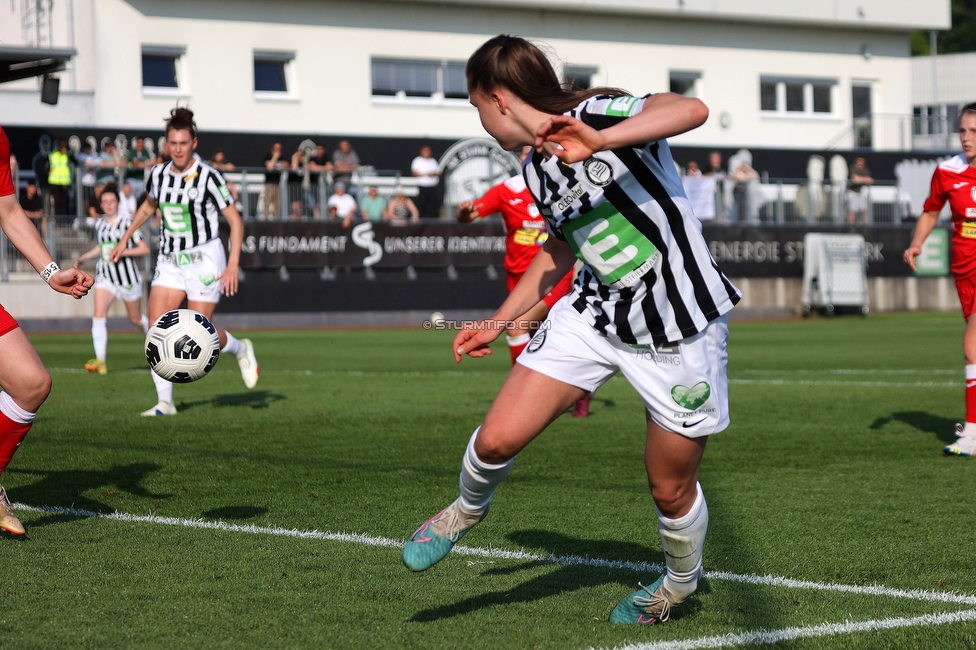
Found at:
[525, 232]
[26, 384]
[954, 181]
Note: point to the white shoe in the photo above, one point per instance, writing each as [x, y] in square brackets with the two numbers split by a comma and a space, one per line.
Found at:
[249, 365]
[964, 446]
[163, 408]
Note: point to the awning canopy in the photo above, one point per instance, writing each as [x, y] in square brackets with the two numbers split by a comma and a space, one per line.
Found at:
[25, 62]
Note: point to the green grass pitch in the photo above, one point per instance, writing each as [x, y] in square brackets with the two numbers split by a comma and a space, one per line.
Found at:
[831, 475]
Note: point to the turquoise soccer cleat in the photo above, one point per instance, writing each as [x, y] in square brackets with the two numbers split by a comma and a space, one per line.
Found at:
[646, 606]
[434, 540]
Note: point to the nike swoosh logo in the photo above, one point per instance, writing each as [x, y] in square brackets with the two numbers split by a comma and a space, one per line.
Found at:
[956, 186]
[686, 425]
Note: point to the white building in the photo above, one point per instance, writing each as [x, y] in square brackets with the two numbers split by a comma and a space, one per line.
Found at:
[790, 73]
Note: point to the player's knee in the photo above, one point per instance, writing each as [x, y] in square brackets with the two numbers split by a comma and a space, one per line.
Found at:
[32, 389]
[673, 498]
[493, 449]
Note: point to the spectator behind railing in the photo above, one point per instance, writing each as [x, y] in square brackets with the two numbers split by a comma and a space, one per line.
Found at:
[139, 159]
[401, 209]
[30, 201]
[857, 200]
[59, 177]
[111, 166]
[219, 162]
[344, 163]
[342, 205]
[372, 205]
[716, 171]
[127, 199]
[424, 169]
[319, 166]
[272, 178]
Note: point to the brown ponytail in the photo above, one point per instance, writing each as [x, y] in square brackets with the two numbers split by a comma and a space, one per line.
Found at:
[521, 67]
[181, 118]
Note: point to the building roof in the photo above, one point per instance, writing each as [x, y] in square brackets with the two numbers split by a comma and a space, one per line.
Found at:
[25, 62]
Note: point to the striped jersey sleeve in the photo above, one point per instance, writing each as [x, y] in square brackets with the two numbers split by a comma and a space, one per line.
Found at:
[648, 276]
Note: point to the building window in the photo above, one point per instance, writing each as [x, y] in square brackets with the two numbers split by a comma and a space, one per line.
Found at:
[579, 77]
[796, 96]
[271, 71]
[161, 67]
[684, 82]
[422, 79]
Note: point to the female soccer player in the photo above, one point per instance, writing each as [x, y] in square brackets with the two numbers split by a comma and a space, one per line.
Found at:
[649, 302]
[26, 384]
[955, 181]
[525, 233]
[191, 265]
[122, 280]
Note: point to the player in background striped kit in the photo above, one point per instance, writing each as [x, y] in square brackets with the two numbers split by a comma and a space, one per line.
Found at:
[192, 264]
[120, 280]
[25, 381]
[649, 302]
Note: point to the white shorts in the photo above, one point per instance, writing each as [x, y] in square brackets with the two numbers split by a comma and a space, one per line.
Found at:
[684, 387]
[127, 293]
[857, 201]
[194, 271]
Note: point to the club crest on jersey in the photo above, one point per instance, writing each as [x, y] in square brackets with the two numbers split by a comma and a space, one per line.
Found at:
[192, 193]
[598, 172]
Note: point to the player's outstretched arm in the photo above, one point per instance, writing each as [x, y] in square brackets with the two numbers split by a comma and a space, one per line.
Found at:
[926, 223]
[229, 278]
[142, 215]
[550, 265]
[23, 235]
[662, 116]
[467, 212]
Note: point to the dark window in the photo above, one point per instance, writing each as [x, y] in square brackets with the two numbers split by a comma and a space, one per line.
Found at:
[767, 95]
[579, 77]
[861, 100]
[159, 71]
[413, 78]
[821, 98]
[269, 76]
[455, 81]
[683, 83]
[794, 97]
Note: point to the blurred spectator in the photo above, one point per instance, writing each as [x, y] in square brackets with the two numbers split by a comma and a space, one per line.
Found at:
[400, 209]
[127, 200]
[94, 208]
[722, 197]
[109, 162]
[342, 205]
[372, 205]
[344, 163]
[298, 177]
[692, 169]
[318, 165]
[30, 201]
[424, 169]
[715, 165]
[857, 200]
[272, 196]
[59, 177]
[746, 185]
[164, 156]
[219, 162]
[139, 160]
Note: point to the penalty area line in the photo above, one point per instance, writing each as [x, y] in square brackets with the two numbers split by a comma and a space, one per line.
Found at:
[500, 554]
[768, 637]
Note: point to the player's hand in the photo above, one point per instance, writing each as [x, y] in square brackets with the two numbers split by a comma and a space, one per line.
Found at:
[577, 140]
[910, 254]
[73, 282]
[78, 263]
[473, 340]
[116, 253]
[228, 281]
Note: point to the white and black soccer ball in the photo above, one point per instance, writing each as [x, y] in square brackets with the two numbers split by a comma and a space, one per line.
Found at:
[182, 346]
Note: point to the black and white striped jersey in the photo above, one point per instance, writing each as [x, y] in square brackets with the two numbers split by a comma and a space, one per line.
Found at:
[190, 203]
[125, 272]
[648, 277]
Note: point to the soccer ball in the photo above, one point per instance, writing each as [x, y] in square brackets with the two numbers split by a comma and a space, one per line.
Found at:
[182, 346]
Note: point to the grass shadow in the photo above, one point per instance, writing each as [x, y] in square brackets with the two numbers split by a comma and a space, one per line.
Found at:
[943, 428]
[68, 488]
[261, 399]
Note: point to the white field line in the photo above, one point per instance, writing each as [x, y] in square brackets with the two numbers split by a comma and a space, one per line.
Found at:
[837, 382]
[767, 637]
[495, 553]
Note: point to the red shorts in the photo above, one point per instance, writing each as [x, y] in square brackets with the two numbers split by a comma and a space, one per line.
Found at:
[7, 322]
[562, 289]
[966, 287]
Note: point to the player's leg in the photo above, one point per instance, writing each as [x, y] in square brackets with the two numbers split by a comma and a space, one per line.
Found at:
[133, 310]
[161, 300]
[513, 421]
[26, 384]
[242, 349]
[99, 330]
[562, 364]
[966, 444]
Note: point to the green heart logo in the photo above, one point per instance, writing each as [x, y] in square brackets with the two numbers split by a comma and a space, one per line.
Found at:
[691, 398]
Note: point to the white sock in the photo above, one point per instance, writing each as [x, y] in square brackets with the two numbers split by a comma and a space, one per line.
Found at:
[164, 389]
[99, 337]
[479, 479]
[233, 346]
[682, 540]
[515, 341]
[9, 408]
[144, 324]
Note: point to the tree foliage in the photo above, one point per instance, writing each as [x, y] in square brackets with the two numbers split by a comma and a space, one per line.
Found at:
[960, 38]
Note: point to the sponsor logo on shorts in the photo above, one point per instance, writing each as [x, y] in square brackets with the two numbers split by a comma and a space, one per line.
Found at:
[688, 425]
[598, 172]
[691, 398]
[207, 279]
[536, 343]
[660, 357]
